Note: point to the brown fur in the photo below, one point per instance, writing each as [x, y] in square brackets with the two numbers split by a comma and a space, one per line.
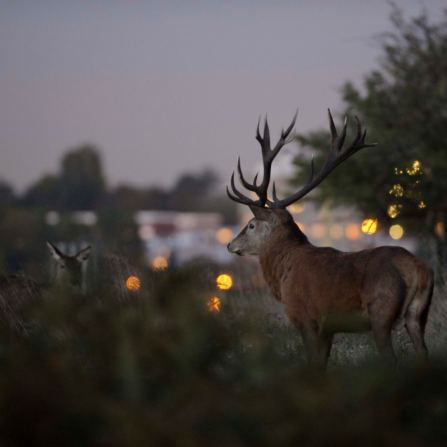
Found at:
[325, 291]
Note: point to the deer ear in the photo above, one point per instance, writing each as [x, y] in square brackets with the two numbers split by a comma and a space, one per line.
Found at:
[54, 251]
[84, 254]
[260, 213]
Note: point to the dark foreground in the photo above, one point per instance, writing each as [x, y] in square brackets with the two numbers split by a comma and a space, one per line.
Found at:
[157, 368]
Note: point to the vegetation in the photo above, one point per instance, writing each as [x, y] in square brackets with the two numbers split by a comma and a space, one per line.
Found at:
[402, 180]
[156, 367]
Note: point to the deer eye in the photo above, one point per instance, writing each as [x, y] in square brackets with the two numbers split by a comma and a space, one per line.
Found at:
[62, 266]
[251, 226]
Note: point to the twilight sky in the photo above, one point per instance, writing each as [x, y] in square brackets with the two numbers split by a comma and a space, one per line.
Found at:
[164, 87]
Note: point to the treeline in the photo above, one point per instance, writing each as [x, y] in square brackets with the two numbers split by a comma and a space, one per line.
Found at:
[80, 185]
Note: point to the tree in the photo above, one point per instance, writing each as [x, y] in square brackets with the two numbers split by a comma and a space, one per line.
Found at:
[46, 193]
[82, 179]
[191, 191]
[404, 103]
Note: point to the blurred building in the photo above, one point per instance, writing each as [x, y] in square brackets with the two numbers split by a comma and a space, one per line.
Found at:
[177, 237]
[173, 238]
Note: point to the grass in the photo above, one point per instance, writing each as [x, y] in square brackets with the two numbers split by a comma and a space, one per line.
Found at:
[155, 367]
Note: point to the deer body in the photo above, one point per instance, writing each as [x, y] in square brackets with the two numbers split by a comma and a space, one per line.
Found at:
[325, 291]
[17, 291]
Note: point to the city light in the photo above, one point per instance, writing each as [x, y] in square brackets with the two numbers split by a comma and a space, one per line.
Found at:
[353, 232]
[160, 263]
[164, 252]
[224, 235]
[440, 229]
[214, 304]
[133, 283]
[318, 230]
[369, 226]
[297, 208]
[396, 232]
[397, 190]
[394, 210]
[336, 231]
[301, 226]
[224, 282]
[415, 168]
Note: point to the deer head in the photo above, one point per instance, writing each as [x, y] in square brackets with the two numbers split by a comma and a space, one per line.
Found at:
[271, 216]
[69, 268]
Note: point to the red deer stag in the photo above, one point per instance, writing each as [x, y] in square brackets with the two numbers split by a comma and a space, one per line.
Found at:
[323, 290]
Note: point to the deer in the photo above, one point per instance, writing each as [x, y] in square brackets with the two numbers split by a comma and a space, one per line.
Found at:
[325, 291]
[68, 272]
[17, 291]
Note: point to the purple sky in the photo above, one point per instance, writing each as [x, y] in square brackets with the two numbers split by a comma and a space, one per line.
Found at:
[162, 87]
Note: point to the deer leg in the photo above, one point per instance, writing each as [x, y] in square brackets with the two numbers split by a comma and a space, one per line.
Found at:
[324, 349]
[382, 337]
[416, 317]
[416, 333]
[318, 347]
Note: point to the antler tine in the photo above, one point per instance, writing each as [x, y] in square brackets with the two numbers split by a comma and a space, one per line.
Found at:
[240, 197]
[268, 156]
[266, 138]
[335, 156]
[235, 191]
[249, 186]
[235, 199]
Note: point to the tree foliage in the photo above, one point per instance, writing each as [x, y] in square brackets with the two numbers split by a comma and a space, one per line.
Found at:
[404, 104]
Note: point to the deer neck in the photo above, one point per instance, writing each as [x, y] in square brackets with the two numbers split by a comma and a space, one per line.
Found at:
[279, 254]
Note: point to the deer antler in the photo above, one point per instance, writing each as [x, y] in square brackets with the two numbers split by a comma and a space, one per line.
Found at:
[336, 156]
[268, 155]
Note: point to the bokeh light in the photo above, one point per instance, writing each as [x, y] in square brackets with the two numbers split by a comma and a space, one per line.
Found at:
[297, 208]
[415, 168]
[301, 226]
[394, 210]
[353, 232]
[224, 281]
[224, 235]
[318, 230]
[133, 283]
[396, 232]
[440, 229]
[369, 226]
[214, 304]
[336, 231]
[160, 263]
[164, 252]
[397, 190]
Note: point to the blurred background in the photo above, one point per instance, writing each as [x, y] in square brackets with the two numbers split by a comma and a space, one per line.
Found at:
[121, 122]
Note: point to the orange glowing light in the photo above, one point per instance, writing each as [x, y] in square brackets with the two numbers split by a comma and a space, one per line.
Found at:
[353, 232]
[160, 263]
[396, 232]
[318, 230]
[336, 231]
[369, 226]
[224, 282]
[301, 226]
[164, 252]
[133, 283]
[214, 304]
[297, 208]
[224, 235]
